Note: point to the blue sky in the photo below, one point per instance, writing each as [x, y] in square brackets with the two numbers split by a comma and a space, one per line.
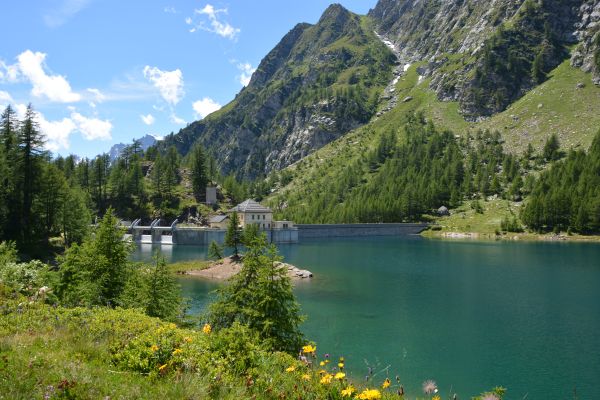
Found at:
[101, 72]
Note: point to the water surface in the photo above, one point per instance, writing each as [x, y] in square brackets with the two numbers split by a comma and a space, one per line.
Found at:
[470, 315]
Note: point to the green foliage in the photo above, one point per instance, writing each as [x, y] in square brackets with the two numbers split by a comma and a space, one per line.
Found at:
[250, 234]
[27, 279]
[510, 225]
[568, 194]
[397, 180]
[199, 172]
[551, 148]
[8, 253]
[96, 272]
[163, 293]
[233, 236]
[215, 251]
[260, 296]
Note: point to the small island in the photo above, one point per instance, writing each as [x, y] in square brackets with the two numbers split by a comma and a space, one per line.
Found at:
[228, 267]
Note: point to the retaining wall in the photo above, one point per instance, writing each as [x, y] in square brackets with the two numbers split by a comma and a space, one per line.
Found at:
[356, 230]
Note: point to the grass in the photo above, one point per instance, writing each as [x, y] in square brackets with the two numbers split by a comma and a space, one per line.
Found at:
[465, 220]
[181, 267]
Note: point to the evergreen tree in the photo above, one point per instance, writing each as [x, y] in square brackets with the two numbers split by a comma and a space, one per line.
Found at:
[96, 272]
[215, 251]
[261, 297]
[30, 144]
[551, 148]
[199, 173]
[75, 216]
[163, 292]
[233, 236]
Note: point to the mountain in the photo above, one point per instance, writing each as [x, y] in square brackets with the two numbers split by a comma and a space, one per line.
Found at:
[319, 82]
[145, 142]
[487, 55]
[501, 75]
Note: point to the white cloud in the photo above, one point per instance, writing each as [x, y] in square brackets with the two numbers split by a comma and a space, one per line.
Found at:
[57, 132]
[92, 128]
[176, 120]
[147, 119]
[221, 28]
[61, 14]
[9, 73]
[99, 97]
[170, 10]
[169, 83]
[5, 98]
[205, 106]
[246, 70]
[54, 87]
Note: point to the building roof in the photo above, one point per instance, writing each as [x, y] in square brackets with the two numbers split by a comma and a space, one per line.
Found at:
[250, 206]
[217, 219]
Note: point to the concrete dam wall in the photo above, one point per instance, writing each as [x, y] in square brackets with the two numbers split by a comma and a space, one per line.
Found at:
[357, 230]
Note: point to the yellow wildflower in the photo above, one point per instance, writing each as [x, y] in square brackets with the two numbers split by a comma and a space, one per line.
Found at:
[340, 375]
[436, 397]
[386, 383]
[326, 379]
[322, 363]
[309, 349]
[369, 394]
[322, 372]
[172, 326]
[187, 339]
[306, 377]
[348, 391]
[162, 367]
[290, 369]
[177, 351]
[207, 329]
[341, 365]
[153, 348]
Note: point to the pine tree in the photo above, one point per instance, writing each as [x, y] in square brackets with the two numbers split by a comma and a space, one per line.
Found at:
[199, 173]
[30, 144]
[261, 297]
[163, 292]
[215, 251]
[551, 148]
[233, 236]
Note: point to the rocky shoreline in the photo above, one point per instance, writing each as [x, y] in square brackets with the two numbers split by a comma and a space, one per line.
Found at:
[228, 267]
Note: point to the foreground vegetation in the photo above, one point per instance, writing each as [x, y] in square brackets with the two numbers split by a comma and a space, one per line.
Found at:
[99, 326]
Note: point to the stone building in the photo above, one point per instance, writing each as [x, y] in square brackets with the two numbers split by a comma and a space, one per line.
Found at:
[251, 212]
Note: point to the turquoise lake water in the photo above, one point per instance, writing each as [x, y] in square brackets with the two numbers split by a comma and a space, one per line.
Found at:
[469, 315]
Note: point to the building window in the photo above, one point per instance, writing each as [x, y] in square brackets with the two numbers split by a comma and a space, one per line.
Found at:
[263, 216]
[285, 226]
[252, 216]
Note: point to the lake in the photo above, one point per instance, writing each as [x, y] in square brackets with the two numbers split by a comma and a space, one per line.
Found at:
[469, 315]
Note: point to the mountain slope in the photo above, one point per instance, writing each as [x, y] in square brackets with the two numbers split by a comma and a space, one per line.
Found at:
[486, 55]
[320, 82]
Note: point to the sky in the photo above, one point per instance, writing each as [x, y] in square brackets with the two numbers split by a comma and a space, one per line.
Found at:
[100, 72]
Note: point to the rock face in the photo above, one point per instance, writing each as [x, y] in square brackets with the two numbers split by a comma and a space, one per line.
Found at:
[318, 83]
[486, 55]
[587, 54]
[145, 142]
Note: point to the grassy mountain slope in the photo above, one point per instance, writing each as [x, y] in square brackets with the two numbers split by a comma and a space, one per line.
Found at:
[564, 103]
[318, 83]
